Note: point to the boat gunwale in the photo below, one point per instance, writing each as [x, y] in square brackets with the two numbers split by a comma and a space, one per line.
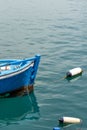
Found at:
[17, 71]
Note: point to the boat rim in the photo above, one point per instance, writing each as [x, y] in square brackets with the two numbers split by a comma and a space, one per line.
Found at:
[17, 71]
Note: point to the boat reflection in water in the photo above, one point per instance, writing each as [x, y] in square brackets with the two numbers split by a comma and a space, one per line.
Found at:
[21, 107]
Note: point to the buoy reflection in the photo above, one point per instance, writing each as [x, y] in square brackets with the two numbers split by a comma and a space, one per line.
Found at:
[74, 78]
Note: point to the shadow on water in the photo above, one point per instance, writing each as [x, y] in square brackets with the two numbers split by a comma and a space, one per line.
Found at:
[14, 109]
[74, 78]
[68, 126]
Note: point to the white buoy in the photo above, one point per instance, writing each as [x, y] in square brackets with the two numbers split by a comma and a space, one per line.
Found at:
[71, 120]
[74, 72]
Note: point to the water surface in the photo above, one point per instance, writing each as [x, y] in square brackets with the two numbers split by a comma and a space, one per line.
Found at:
[56, 30]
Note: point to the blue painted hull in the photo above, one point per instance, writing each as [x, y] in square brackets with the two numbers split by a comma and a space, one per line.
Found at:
[22, 73]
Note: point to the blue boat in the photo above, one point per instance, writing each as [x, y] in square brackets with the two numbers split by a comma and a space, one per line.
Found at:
[16, 74]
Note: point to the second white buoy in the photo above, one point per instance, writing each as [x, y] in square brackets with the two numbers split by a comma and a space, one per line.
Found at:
[71, 120]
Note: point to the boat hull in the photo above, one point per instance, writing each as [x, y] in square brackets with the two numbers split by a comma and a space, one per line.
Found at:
[23, 77]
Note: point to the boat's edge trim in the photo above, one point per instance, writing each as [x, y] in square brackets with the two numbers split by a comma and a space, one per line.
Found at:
[17, 72]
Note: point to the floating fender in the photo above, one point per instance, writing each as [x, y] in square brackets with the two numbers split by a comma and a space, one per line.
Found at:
[71, 120]
[74, 72]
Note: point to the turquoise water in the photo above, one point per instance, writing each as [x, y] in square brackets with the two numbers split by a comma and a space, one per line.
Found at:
[58, 31]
